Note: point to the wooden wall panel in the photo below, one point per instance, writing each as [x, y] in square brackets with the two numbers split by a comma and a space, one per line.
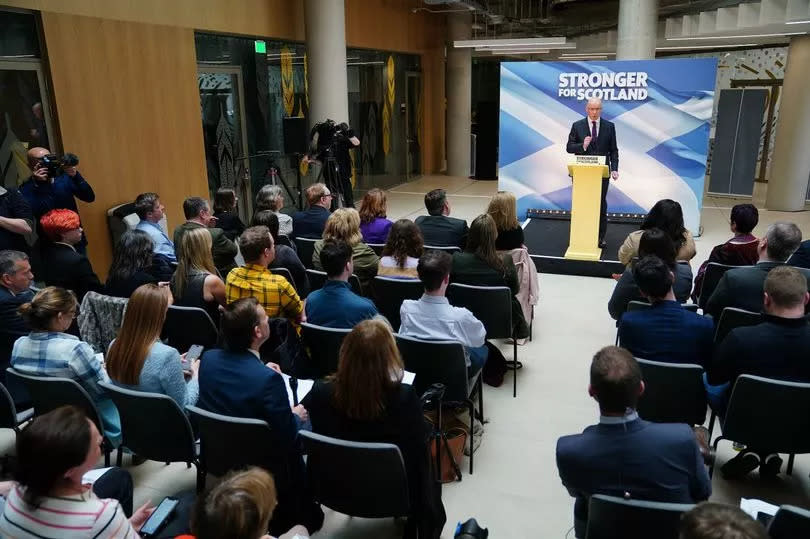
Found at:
[127, 103]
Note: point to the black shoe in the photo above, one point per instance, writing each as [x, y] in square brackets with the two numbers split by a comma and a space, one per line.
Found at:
[771, 467]
[740, 465]
[602, 244]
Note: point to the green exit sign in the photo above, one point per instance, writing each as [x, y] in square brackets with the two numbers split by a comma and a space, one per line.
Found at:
[260, 46]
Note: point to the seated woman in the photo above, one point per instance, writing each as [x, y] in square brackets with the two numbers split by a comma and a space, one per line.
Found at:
[481, 265]
[344, 224]
[373, 223]
[270, 197]
[741, 250]
[50, 500]
[196, 282]
[503, 210]
[225, 211]
[49, 351]
[666, 215]
[401, 253]
[62, 265]
[286, 257]
[365, 401]
[132, 261]
[654, 241]
[138, 360]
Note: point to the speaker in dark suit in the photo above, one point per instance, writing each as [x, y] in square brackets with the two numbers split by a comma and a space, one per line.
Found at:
[596, 136]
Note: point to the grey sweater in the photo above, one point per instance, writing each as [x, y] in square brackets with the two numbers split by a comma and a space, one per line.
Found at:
[162, 372]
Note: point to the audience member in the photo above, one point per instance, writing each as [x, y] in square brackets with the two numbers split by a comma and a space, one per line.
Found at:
[138, 360]
[226, 213]
[665, 331]
[49, 351]
[196, 283]
[742, 287]
[16, 220]
[335, 305]
[776, 348]
[653, 242]
[198, 215]
[433, 318]
[365, 401]
[667, 215]
[438, 228]
[401, 253]
[132, 264]
[274, 293]
[503, 210]
[62, 264]
[15, 289]
[51, 498]
[624, 455]
[801, 258]
[234, 382]
[481, 265]
[239, 506]
[150, 212]
[311, 222]
[373, 223]
[286, 257]
[270, 197]
[709, 520]
[741, 250]
[344, 225]
[45, 193]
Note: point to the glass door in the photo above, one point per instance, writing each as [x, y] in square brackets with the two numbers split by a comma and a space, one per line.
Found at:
[413, 125]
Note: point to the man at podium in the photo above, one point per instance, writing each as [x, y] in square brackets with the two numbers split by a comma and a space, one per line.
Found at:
[595, 136]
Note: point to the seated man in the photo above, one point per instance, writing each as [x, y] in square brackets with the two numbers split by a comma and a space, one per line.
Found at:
[275, 294]
[624, 455]
[666, 331]
[335, 305]
[310, 223]
[234, 382]
[776, 348]
[151, 211]
[15, 282]
[198, 215]
[438, 229]
[433, 318]
[742, 287]
[15, 220]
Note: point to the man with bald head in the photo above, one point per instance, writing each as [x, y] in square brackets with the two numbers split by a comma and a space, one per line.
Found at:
[594, 135]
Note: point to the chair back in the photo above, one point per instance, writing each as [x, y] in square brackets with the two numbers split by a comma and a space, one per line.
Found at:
[284, 272]
[638, 305]
[152, 425]
[185, 326]
[674, 393]
[232, 443]
[760, 414]
[731, 318]
[435, 362]
[492, 305]
[8, 412]
[305, 248]
[636, 519]
[446, 248]
[790, 522]
[711, 278]
[389, 293]
[318, 278]
[375, 471]
[377, 248]
[324, 348]
[283, 239]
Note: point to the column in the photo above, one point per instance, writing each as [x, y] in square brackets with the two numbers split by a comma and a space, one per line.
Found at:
[638, 30]
[790, 165]
[325, 23]
[458, 86]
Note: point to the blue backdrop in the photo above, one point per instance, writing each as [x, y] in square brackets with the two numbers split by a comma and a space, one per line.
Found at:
[661, 111]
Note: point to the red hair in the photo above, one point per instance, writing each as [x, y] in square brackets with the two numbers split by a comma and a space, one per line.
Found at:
[57, 222]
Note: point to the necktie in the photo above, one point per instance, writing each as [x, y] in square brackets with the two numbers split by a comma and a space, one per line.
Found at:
[593, 132]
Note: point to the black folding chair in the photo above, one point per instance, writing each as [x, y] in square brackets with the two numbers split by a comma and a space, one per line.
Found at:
[185, 326]
[711, 278]
[305, 248]
[446, 248]
[610, 517]
[284, 272]
[318, 278]
[389, 293]
[282, 239]
[377, 247]
[731, 318]
[768, 414]
[324, 349]
[790, 522]
[10, 418]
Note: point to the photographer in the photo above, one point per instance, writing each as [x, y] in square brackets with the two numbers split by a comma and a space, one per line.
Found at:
[328, 139]
[53, 185]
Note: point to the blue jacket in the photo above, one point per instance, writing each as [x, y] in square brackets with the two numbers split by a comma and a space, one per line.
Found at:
[336, 306]
[667, 332]
[309, 223]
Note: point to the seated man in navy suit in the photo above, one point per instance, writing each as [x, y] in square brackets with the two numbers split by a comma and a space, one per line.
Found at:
[666, 331]
[234, 382]
[624, 455]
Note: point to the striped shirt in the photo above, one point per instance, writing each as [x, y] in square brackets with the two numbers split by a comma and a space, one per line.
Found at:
[274, 293]
[65, 517]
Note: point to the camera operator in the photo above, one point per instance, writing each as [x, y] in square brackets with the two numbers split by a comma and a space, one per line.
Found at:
[328, 139]
[53, 185]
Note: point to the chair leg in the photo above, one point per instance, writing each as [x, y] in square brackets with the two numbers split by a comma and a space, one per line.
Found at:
[790, 464]
[437, 439]
[531, 326]
[107, 452]
[481, 399]
[119, 457]
[711, 425]
[200, 479]
[471, 406]
[515, 362]
[714, 446]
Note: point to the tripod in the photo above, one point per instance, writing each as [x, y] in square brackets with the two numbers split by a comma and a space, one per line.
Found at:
[272, 175]
[433, 397]
[330, 174]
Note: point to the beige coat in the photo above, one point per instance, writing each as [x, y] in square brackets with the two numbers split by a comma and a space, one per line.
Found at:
[629, 248]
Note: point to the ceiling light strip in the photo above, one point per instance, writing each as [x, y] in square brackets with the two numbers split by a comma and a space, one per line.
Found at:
[747, 36]
[523, 42]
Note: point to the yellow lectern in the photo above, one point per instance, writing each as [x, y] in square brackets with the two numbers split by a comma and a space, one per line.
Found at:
[586, 201]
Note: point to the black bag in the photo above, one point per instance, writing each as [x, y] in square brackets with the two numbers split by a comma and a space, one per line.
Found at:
[495, 367]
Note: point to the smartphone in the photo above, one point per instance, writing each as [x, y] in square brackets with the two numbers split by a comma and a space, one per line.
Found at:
[159, 517]
[194, 352]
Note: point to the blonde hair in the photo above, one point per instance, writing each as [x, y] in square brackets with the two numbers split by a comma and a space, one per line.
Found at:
[503, 210]
[46, 305]
[344, 224]
[195, 254]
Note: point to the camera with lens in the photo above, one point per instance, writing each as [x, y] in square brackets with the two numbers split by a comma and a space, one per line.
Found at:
[55, 164]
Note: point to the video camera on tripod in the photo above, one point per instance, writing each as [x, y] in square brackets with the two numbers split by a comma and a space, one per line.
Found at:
[330, 143]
